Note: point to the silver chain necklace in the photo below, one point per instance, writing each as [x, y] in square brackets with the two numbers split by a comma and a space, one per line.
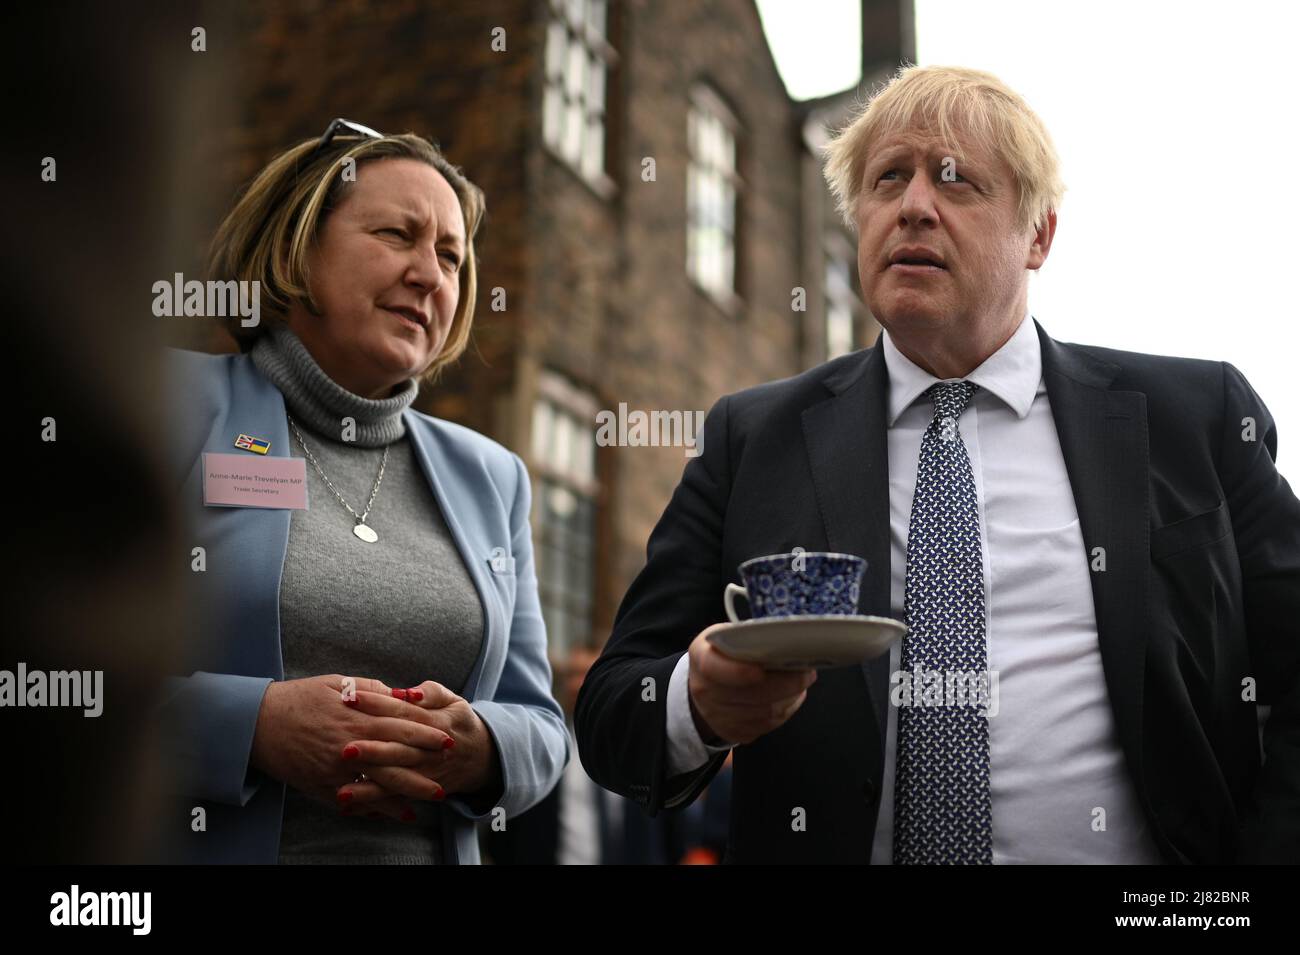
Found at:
[362, 530]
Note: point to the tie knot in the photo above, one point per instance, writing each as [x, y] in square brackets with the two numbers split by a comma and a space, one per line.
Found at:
[951, 397]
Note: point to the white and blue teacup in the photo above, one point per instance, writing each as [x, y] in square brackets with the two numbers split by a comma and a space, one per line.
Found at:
[797, 585]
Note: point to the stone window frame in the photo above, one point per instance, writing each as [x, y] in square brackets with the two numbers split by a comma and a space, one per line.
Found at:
[577, 60]
[842, 305]
[566, 495]
[714, 191]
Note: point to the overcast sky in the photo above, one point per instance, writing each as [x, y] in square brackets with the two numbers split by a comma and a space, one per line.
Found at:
[1176, 126]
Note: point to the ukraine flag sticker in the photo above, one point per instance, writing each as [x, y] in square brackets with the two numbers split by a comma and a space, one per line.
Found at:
[249, 443]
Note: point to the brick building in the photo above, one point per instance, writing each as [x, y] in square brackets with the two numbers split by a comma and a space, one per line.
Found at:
[658, 230]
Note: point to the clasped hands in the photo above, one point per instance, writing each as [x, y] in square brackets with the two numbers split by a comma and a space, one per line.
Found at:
[320, 735]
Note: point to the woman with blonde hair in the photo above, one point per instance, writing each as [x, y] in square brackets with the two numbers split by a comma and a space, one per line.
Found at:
[411, 571]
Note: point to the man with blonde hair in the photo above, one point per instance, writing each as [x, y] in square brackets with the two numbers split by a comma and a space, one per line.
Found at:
[1102, 534]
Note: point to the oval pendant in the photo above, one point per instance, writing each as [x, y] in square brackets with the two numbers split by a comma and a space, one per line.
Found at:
[365, 533]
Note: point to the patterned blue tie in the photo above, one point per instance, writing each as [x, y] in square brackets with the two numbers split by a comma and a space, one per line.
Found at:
[942, 809]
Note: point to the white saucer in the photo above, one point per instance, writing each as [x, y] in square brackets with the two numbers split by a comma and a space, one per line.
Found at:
[801, 643]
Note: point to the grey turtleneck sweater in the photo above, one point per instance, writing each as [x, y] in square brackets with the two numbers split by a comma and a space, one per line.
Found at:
[401, 610]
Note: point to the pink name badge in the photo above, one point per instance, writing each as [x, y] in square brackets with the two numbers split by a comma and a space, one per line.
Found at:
[237, 480]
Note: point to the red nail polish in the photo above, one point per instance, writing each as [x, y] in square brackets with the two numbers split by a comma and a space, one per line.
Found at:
[345, 797]
[415, 696]
[449, 743]
[349, 702]
[400, 694]
[351, 751]
[440, 794]
[408, 815]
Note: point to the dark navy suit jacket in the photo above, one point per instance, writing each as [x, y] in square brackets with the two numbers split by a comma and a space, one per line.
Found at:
[1199, 602]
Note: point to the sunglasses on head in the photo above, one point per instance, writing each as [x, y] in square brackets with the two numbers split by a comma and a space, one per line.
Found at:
[343, 127]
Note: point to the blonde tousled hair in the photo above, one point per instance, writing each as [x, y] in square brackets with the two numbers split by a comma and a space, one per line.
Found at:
[947, 100]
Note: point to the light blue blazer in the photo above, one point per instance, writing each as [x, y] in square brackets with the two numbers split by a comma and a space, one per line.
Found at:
[210, 715]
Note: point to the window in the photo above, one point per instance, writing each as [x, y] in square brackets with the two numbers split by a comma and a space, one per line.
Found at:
[564, 508]
[573, 110]
[711, 195]
[839, 304]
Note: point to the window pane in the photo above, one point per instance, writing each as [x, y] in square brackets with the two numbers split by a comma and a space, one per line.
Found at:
[596, 17]
[552, 114]
[595, 85]
[712, 200]
[710, 237]
[586, 524]
[561, 437]
[562, 503]
[542, 432]
[581, 463]
[723, 147]
[839, 331]
[573, 123]
[565, 524]
[837, 276]
[559, 634]
[555, 49]
[571, 146]
[726, 150]
[839, 306]
[575, 71]
[593, 148]
[692, 250]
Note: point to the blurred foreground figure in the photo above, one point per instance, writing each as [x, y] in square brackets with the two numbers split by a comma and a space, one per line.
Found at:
[94, 606]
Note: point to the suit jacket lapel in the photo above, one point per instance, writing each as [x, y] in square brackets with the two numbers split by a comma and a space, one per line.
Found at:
[1103, 437]
[846, 440]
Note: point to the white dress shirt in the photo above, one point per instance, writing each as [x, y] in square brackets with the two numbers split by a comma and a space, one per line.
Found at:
[1056, 770]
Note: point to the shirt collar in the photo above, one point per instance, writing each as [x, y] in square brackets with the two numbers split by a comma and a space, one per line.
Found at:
[1012, 373]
